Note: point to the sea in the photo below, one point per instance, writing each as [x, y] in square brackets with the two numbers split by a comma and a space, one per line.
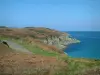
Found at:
[89, 47]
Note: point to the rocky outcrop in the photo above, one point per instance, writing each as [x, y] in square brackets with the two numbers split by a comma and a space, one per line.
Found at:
[4, 42]
[61, 41]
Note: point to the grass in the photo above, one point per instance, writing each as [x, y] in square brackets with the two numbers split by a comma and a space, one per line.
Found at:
[37, 50]
[80, 66]
[3, 38]
[33, 48]
[76, 66]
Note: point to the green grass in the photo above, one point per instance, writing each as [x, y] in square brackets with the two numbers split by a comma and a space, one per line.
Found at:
[33, 48]
[37, 50]
[3, 38]
[77, 67]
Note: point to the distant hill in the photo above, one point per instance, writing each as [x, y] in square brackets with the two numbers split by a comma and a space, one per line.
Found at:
[3, 27]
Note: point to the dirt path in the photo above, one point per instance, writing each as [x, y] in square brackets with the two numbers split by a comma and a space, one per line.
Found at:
[17, 47]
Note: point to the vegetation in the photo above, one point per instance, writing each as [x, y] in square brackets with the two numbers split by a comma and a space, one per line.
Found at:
[81, 66]
[75, 66]
[37, 50]
[43, 62]
[29, 27]
[33, 48]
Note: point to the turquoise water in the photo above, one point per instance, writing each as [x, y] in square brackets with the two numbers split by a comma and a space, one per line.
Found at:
[89, 46]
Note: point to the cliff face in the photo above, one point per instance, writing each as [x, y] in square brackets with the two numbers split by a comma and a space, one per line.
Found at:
[60, 42]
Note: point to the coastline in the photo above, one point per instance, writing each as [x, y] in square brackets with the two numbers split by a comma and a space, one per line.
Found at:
[74, 41]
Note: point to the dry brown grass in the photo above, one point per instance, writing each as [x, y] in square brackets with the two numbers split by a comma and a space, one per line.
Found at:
[15, 63]
[4, 49]
[37, 32]
[92, 71]
[25, 64]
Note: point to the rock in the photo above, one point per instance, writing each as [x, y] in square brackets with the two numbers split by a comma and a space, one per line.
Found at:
[60, 41]
[4, 42]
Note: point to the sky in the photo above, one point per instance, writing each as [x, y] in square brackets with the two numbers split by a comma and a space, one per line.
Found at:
[66, 15]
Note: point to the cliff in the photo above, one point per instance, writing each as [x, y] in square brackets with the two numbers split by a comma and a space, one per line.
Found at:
[46, 36]
[60, 41]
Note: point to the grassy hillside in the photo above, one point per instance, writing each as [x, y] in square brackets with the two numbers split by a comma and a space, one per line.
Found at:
[32, 35]
[32, 32]
[45, 60]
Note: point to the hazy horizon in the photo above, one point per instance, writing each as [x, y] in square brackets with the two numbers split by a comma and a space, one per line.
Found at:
[63, 15]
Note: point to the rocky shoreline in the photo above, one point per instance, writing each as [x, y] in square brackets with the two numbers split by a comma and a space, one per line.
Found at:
[60, 42]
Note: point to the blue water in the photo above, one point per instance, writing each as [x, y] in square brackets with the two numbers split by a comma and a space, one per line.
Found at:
[89, 46]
